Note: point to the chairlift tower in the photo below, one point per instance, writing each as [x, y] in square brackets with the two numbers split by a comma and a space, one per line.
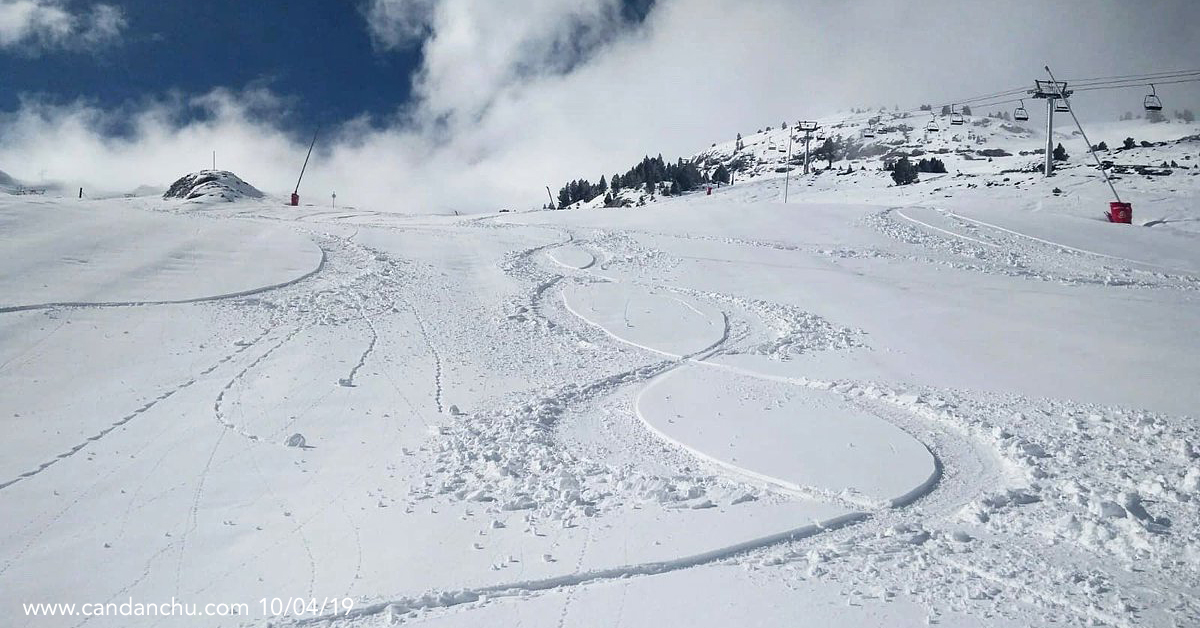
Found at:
[808, 127]
[1050, 91]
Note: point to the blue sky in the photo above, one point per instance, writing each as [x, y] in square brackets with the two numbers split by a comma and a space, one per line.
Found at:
[316, 53]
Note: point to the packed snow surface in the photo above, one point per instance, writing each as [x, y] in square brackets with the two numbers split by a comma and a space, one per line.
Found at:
[101, 253]
[870, 406]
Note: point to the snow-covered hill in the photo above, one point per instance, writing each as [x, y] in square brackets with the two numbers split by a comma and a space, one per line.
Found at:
[212, 186]
[984, 152]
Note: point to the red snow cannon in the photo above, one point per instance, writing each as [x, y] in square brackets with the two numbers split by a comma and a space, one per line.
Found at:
[295, 199]
[1120, 212]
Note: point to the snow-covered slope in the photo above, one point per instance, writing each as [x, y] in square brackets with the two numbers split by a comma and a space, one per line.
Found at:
[947, 403]
[211, 185]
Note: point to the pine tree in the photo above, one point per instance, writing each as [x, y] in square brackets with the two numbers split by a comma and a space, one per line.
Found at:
[903, 172]
[602, 187]
[616, 182]
[828, 152]
[721, 174]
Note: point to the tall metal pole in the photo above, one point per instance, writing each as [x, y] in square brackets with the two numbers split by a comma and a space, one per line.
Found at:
[1091, 150]
[1049, 136]
[551, 197]
[305, 166]
[807, 134]
[787, 164]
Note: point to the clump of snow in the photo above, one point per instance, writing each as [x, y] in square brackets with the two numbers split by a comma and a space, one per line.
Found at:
[296, 440]
[212, 185]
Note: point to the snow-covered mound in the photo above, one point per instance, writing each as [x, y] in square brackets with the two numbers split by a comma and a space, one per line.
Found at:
[6, 180]
[212, 185]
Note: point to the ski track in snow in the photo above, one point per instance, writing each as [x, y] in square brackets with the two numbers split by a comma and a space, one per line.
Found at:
[218, 411]
[1012, 253]
[194, 512]
[348, 381]
[121, 422]
[437, 359]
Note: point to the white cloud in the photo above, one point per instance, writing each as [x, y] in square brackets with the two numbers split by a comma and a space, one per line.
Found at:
[521, 94]
[33, 26]
[397, 23]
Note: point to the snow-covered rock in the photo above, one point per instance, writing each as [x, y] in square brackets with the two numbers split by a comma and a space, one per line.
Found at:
[212, 185]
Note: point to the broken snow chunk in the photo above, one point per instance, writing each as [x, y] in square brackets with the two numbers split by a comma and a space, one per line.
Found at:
[1108, 509]
[1191, 481]
[296, 440]
[743, 498]
[522, 502]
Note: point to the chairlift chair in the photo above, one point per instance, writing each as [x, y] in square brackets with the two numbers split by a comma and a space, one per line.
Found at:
[1020, 114]
[932, 126]
[956, 117]
[868, 132]
[1061, 106]
[1151, 101]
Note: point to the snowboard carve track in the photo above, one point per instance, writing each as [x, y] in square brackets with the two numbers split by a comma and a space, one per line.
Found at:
[218, 297]
[900, 213]
[449, 599]
[1061, 246]
[606, 385]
